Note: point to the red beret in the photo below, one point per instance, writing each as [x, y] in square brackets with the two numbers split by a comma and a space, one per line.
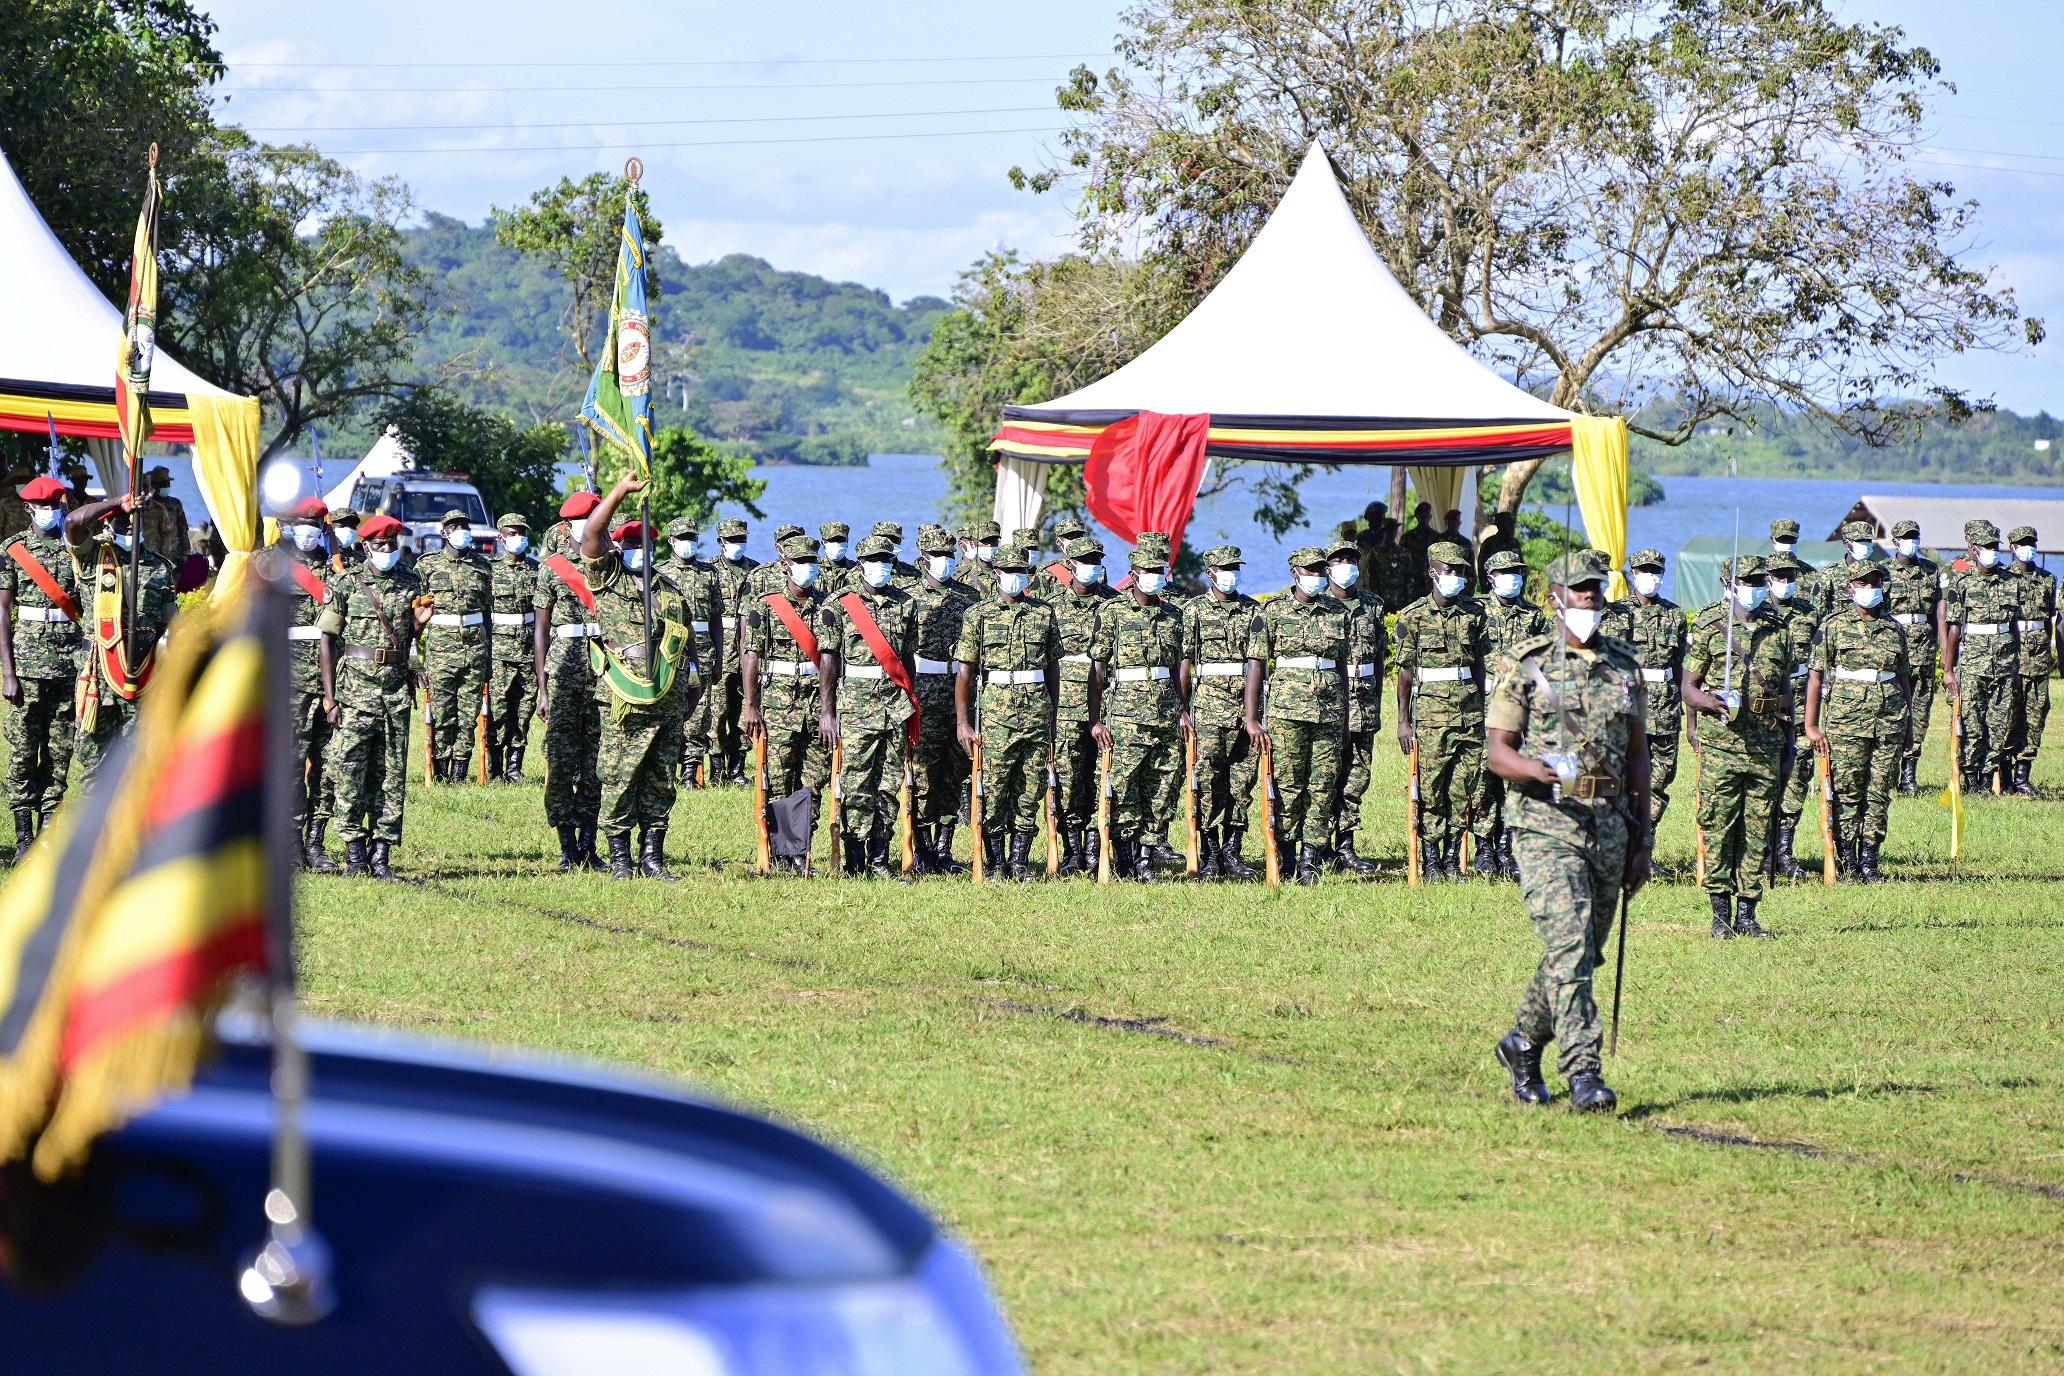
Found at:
[307, 509]
[631, 530]
[43, 489]
[579, 505]
[379, 527]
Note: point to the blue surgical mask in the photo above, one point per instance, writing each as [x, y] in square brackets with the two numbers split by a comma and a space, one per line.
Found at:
[2025, 553]
[1226, 580]
[1089, 575]
[307, 538]
[941, 566]
[634, 558]
[1343, 574]
[1750, 596]
[834, 549]
[1508, 585]
[1988, 557]
[1858, 549]
[123, 541]
[803, 574]
[1450, 584]
[460, 538]
[684, 549]
[985, 553]
[877, 572]
[384, 559]
[46, 517]
[1866, 596]
[1909, 547]
[732, 550]
[516, 544]
[346, 536]
[1311, 584]
[1152, 581]
[1012, 584]
[1783, 588]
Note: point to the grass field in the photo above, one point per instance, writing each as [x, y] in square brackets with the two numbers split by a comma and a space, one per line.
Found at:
[1215, 1128]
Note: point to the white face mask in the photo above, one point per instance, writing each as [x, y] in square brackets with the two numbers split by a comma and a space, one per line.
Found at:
[1988, 557]
[1866, 596]
[803, 574]
[985, 553]
[684, 549]
[346, 536]
[1581, 621]
[46, 517]
[1151, 582]
[460, 538]
[1909, 548]
[1089, 575]
[2025, 553]
[733, 550]
[1343, 574]
[1226, 580]
[834, 549]
[515, 544]
[633, 558]
[578, 528]
[1311, 584]
[1508, 585]
[308, 538]
[1858, 549]
[940, 565]
[877, 572]
[1648, 584]
[1783, 546]
[1783, 588]
[1012, 583]
[1749, 596]
[383, 559]
[1450, 584]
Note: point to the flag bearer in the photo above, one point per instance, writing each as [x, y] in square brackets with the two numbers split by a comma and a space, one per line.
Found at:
[113, 671]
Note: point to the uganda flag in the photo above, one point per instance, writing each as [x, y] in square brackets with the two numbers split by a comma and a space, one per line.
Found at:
[121, 936]
[139, 330]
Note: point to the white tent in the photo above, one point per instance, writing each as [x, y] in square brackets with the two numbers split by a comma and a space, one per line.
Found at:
[387, 457]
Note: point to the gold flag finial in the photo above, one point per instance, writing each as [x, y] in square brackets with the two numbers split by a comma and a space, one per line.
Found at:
[632, 170]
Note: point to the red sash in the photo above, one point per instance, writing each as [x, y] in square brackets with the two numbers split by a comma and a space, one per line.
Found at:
[40, 576]
[310, 584]
[884, 655]
[793, 619]
[1062, 575]
[573, 578]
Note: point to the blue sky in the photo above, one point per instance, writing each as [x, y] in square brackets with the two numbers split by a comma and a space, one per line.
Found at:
[760, 125]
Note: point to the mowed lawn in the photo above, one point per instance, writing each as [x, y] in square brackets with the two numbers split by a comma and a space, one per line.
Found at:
[1201, 1128]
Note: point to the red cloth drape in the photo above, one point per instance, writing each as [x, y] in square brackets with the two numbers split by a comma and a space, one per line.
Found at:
[1143, 472]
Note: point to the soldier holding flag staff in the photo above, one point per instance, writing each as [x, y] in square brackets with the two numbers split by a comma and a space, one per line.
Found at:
[115, 669]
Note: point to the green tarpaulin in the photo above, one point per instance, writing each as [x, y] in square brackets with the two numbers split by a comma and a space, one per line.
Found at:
[1697, 567]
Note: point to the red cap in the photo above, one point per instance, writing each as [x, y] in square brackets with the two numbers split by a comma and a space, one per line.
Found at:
[43, 489]
[379, 527]
[579, 505]
[631, 530]
[307, 509]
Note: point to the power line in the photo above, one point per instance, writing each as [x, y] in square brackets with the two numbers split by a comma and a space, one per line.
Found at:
[715, 143]
[688, 62]
[733, 86]
[1985, 167]
[629, 123]
[1994, 153]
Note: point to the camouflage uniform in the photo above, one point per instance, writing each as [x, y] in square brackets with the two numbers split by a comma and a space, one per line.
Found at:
[368, 752]
[1864, 671]
[835, 574]
[1010, 650]
[1799, 617]
[1444, 648]
[641, 744]
[702, 588]
[1508, 622]
[47, 650]
[1572, 851]
[873, 712]
[1741, 752]
[1986, 603]
[905, 574]
[770, 576]
[1140, 651]
[726, 688]
[1305, 645]
[157, 600]
[941, 767]
[1367, 655]
[512, 688]
[1390, 574]
[456, 652]
[978, 577]
[1048, 584]
[2036, 628]
[1077, 606]
[311, 719]
[1656, 630]
[1912, 593]
[573, 722]
[796, 757]
[1784, 534]
[1216, 630]
[162, 521]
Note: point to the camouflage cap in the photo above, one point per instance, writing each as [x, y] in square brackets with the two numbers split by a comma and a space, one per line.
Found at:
[456, 517]
[799, 546]
[1026, 536]
[1578, 567]
[512, 520]
[1746, 566]
[1144, 558]
[890, 529]
[1222, 557]
[1863, 571]
[733, 529]
[1069, 528]
[1859, 530]
[1782, 563]
[1784, 528]
[834, 530]
[1448, 552]
[933, 538]
[987, 533]
[1981, 533]
[1155, 539]
[1012, 559]
[2021, 535]
[1647, 559]
[345, 517]
[1505, 560]
[783, 531]
[1307, 557]
[1086, 548]
[683, 528]
[876, 547]
[1343, 549]
[1907, 530]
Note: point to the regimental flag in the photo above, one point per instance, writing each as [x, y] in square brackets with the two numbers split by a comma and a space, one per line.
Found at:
[120, 937]
[139, 331]
[619, 400]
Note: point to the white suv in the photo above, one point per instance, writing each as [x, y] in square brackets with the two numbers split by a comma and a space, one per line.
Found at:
[419, 500]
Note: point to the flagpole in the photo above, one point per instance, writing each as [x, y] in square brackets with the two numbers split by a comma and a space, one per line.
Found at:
[633, 170]
[132, 444]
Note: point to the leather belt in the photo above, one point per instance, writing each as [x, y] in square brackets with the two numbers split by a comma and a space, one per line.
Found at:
[863, 671]
[456, 619]
[1235, 669]
[790, 668]
[375, 655]
[576, 630]
[1141, 674]
[39, 613]
[1584, 788]
[1987, 627]
[1865, 675]
[1655, 675]
[304, 633]
[934, 666]
[1000, 678]
[1911, 618]
[1306, 662]
[1452, 674]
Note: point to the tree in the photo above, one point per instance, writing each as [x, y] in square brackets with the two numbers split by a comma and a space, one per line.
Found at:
[514, 466]
[691, 477]
[1609, 200]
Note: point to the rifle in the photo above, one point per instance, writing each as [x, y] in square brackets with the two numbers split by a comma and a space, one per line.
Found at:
[1612, 1046]
[906, 812]
[1104, 817]
[838, 807]
[429, 729]
[1271, 863]
[764, 860]
[1956, 770]
[1698, 832]
[1827, 816]
[1412, 875]
[1196, 849]
[975, 814]
[1053, 819]
[480, 739]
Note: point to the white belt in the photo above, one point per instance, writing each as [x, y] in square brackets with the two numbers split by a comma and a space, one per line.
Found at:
[2030, 626]
[1911, 618]
[1451, 675]
[454, 619]
[699, 627]
[304, 633]
[515, 618]
[790, 668]
[1988, 627]
[576, 630]
[1306, 662]
[1141, 675]
[1655, 675]
[1865, 675]
[40, 614]
[1236, 669]
[863, 671]
[1075, 659]
[730, 623]
[934, 666]
[1367, 669]
[1014, 677]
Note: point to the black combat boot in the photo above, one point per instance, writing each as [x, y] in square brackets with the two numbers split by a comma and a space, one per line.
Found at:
[1161, 853]
[1486, 860]
[1723, 916]
[376, 860]
[1523, 1059]
[24, 832]
[1588, 1094]
[1429, 860]
[1451, 859]
[570, 856]
[967, 802]
[942, 849]
[1121, 859]
[620, 855]
[1867, 865]
[1309, 863]
[314, 853]
[992, 854]
[1846, 868]
[1346, 858]
[1788, 864]
[878, 863]
[589, 855]
[1231, 863]
[354, 859]
[652, 855]
[2021, 784]
[1020, 867]
[1907, 782]
[1506, 862]
[851, 853]
[494, 760]
[512, 762]
[921, 858]
[1142, 854]
[1745, 923]
[1071, 851]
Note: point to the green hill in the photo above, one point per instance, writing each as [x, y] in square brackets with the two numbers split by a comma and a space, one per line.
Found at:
[1993, 446]
[786, 365]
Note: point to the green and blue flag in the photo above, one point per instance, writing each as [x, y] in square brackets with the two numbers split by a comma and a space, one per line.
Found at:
[619, 401]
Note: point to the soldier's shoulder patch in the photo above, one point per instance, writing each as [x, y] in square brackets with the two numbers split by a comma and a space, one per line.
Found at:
[752, 619]
[1255, 626]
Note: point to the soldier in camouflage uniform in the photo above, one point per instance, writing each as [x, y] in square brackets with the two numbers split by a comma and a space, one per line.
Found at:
[771, 576]
[101, 556]
[1913, 594]
[641, 741]
[906, 573]
[1368, 644]
[1216, 626]
[367, 626]
[940, 604]
[1737, 669]
[702, 588]
[1981, 656]
[303, 572]
[1784, 539]
[1567, 733]
[1139, 703]
[1442, 642]
[1510, 619]
[512, 685]
[1302, 641]
[2036, 628]
[14, 512]
[781, 695]
[1012, 643]
[733, 568]
[977, 567]
[163, 521]
[862, 704]
[1860, 664]
[568, 695]
[456, 651]
[837, 567]
[1800, 620]
[1655, 627]
[1078, 596]
[1056, 578]
[40, 650]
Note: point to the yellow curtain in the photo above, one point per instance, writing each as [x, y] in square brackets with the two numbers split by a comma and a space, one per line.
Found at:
[226, 465]
[1599, 445]
[1441, 488]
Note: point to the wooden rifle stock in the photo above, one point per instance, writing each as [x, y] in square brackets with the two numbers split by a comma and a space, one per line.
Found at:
[764, 860]
[1103, 817]
[1956, 770]
[1412, 875]
[837, 826]
[480, 740]
[1195, 848]
[1698, 806]
[981, 866]
[906, 813]
[1271, 861]
[429, 759]
[1053, 819]
[1827, 815]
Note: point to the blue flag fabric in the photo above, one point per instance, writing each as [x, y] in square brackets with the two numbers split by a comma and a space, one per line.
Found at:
[619, 401]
